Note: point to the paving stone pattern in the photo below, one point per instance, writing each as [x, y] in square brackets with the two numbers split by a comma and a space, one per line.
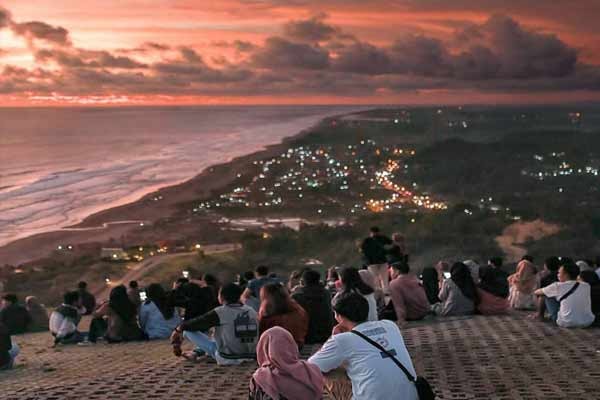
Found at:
[495, 358]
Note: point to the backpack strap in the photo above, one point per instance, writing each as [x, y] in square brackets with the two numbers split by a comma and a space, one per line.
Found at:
[570, 292]
[390, 355]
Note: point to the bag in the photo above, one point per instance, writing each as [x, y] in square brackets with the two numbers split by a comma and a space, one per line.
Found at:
[424, 389]
[570, 292]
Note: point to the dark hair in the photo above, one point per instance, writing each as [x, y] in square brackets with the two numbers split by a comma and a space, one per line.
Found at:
[182, 281]
[571, 269]
[158, 296]
[275, 300]
[589, 277]
[248, 275]
[82, 285]
[119, 302]
[352, 306]
[496, 261]
[231, 293]
[133, 284]
[11, 297]
[311, 277]
[374, 229]
[351, 282]
[461, 276]
[527, 257]
[262, 270]
[401, 267]
[430, 278]
[552, 263]
[71, 297]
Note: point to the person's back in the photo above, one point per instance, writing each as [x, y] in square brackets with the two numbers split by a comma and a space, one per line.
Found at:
[5, 346]
[408, 295]
[237, 333]
[38, 314]
[316, 301]
[494, 281]
[133, 292]
[575, 310]
[373, 249]
[374, 376]
[153, 322]
[14, 316]
[88, 301]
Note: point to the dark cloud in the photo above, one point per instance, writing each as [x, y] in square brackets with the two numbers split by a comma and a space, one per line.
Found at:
[78, 58]
[420, 55]
[310, 30]
[281, 53]
[362, 58]
[42, 31]
[5, 18]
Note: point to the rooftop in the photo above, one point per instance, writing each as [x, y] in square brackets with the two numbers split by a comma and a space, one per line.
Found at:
[494, 358]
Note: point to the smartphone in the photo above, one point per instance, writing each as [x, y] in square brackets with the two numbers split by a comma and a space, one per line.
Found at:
[186, 274]
[143, 296]
[447, 275]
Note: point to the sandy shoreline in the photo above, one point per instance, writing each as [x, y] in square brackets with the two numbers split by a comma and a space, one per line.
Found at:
[106, 224]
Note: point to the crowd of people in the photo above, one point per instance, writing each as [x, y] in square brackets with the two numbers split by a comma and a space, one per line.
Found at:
[353, 312]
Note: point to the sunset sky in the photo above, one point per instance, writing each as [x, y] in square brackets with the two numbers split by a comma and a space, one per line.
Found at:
[65, 52]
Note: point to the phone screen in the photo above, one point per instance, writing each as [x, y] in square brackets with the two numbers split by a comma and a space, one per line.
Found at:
[446, 275]
[143, 295]
[186, 274]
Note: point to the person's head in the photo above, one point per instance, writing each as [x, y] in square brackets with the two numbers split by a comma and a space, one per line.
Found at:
[157, 295]
[276, 348]
[311, 277]
[527, 257]
[569, 271]
[248, 276]
[230, 294]
[119, 303]
[82, 286]
[398, 237]
[583, 265]
[9, 299]
[374, 231]
[210, 280]
[400, 268]
[461, 276]
[71, 298]
[133, 285]
[352, 281]
[495, 262]
[261, 271]
[552, 264]
[275, 300]
[294, 278]
[590, 277]
[443, 266]
[32, 302]
[351, 309]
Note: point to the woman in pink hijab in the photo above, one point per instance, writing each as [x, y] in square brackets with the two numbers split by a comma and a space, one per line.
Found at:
[281, 374]
[522, 285]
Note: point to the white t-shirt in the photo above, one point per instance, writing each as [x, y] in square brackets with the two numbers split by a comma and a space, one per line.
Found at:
[370, 299]
[576, 310]
[374, 376]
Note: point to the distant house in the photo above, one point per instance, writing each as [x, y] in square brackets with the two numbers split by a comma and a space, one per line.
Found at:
[114, 254]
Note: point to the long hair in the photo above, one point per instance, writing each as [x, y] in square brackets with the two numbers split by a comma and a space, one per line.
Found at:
[158, 296]
[352, 282]
[119, 302]
[275, 300]
[461, 276]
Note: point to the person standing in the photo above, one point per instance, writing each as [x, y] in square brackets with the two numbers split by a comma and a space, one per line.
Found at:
[375, 257]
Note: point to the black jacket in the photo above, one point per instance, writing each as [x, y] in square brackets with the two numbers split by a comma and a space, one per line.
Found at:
[373, 249]
[16, 318]
[316, 301]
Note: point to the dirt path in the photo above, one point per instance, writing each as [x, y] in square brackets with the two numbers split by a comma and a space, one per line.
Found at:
[140, 270]
[515, 235]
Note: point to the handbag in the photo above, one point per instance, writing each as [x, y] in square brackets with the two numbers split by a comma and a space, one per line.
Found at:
[424, 389]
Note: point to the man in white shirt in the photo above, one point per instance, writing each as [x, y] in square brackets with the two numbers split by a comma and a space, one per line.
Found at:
[64, 320]
[373, 374]
[575, 303]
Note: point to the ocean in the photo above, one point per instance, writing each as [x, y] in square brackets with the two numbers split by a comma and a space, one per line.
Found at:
[59, 165]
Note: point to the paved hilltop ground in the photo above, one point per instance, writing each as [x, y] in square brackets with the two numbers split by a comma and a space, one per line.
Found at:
[493, 358]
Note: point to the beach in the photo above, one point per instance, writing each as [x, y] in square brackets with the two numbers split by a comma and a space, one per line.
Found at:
[131, 218]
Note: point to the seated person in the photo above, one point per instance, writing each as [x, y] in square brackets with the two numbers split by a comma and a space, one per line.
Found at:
[352, 282]
[316, 301]
[13, 315]
[374, 376]
[116, 320]
[278, 309]
[474, 268]
[88, 301]
[430, 278]
[157, 314]
[458, 295]
[409, 299]
[590, 277]
[38, 313]
[568, 301]
[522, 285]
[235, 334]
[251, 295]
[281, 373]
[8, 350]
[64, 320]
[493, 289]
[195, 300]
[133, 292]
[546, 277]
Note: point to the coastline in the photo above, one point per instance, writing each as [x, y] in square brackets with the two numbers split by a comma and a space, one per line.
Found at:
[117, 221]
